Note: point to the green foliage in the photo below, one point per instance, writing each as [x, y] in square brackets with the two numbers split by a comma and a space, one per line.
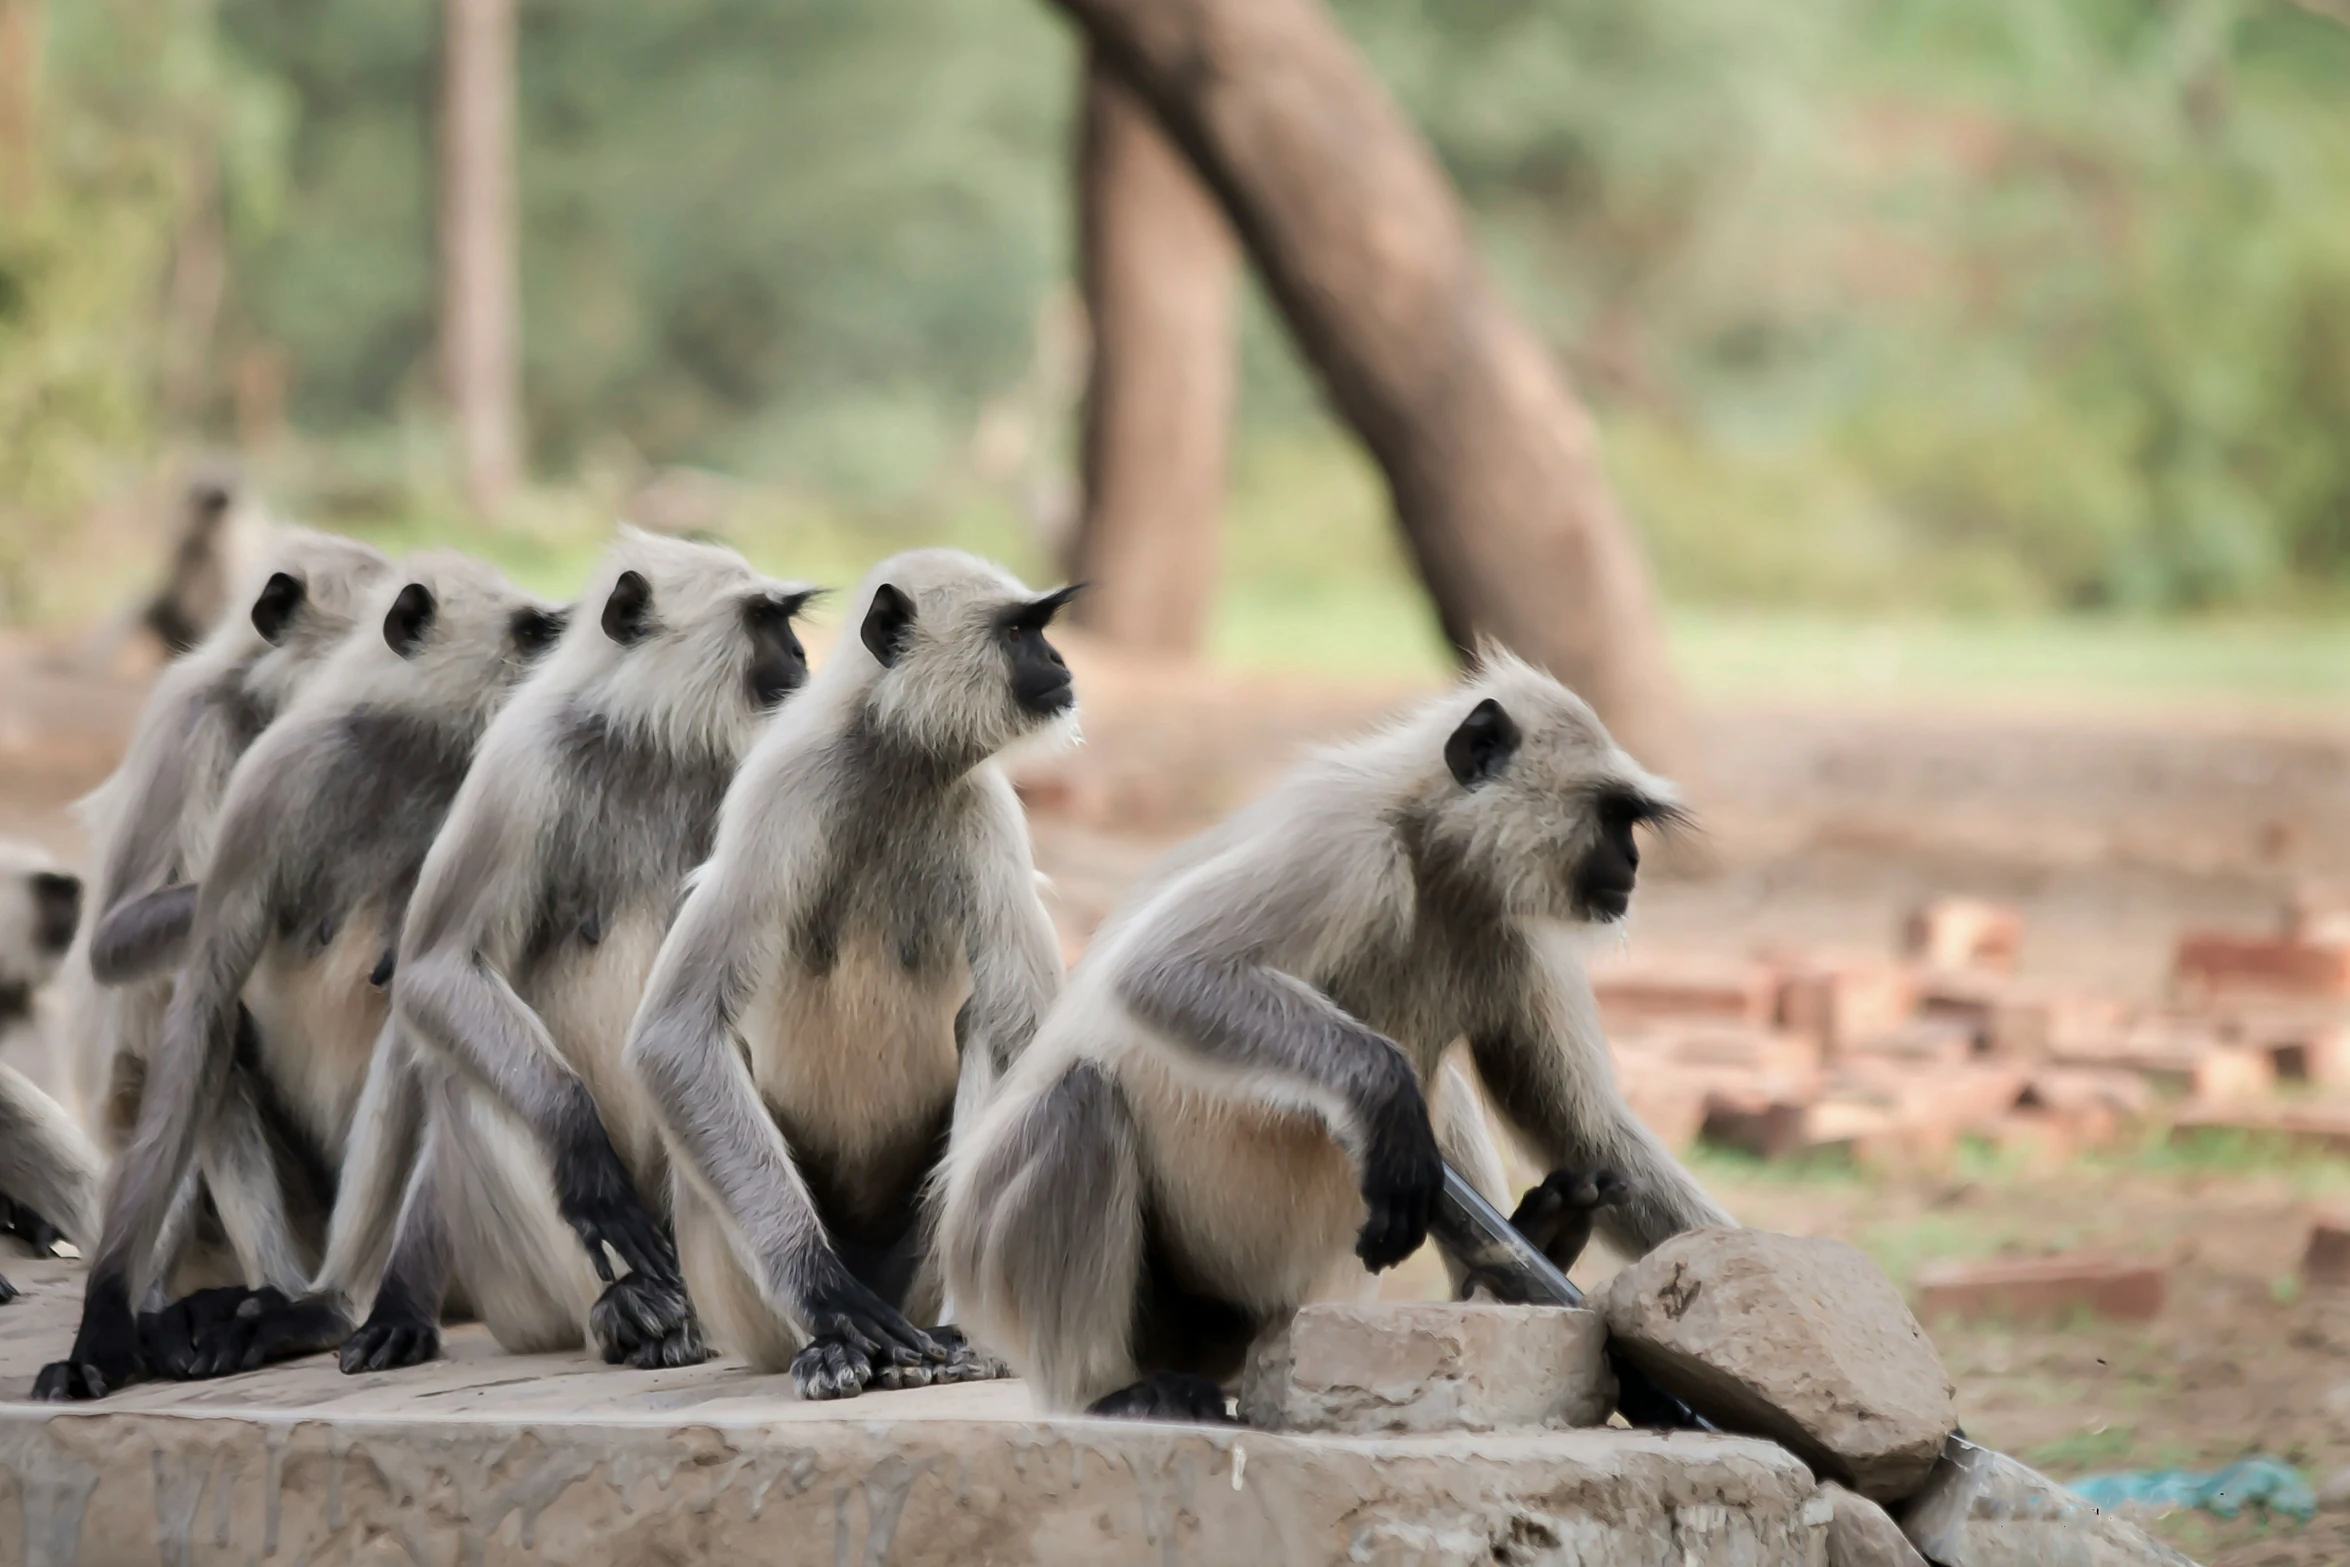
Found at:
[1989, 305]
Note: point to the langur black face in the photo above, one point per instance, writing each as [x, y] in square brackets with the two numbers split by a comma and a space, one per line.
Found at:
[1041, 684]
[1605, 874]
[779, 665]
[57, 908]
[535, 630]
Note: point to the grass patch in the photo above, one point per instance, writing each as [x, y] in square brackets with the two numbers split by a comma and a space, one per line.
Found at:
[2105, 1447]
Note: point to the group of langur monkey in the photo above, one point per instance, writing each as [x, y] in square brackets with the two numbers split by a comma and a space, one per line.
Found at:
[599, 973]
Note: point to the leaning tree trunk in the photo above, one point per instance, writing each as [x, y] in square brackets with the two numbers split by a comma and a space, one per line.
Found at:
[480, 343]
[1492, 463]
[1160, 274]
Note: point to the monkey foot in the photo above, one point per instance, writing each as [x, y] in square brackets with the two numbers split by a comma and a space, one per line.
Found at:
[836, 1365]
[29, 1227]
[1178, 1396]
[106, 1353]
[390, 1339]
[646, 1323]
[966, 1361]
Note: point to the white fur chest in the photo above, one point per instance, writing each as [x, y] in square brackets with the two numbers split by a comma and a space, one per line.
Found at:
[862, 1055]
[318, 1017]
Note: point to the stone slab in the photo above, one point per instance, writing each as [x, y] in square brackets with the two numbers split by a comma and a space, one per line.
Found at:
[484, 1458]
[1366, 1370]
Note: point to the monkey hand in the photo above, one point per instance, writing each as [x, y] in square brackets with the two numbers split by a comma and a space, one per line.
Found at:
[856, 1339]
[396, 1333]
[29, 1227]
[1557, 1215]
[966, 1361]
[647, 1324]
[600, 1203]
[106, 1354]
[1403, 1175]
[218, 1332]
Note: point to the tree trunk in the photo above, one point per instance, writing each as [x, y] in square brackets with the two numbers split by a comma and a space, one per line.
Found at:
[20, 74]
[1160, 274]
[480, 344]
[1492, 463]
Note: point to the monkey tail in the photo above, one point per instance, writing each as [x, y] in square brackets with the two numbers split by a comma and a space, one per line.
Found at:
[1042, 1234]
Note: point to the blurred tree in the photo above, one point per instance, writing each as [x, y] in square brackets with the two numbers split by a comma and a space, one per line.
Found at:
[480, 312]
[1492, 464]
[1161, 282]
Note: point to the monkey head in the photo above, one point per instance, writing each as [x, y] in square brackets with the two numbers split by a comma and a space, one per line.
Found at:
[40, 903]
[961, 666]
[686, 637]
[301, 604]
[1535, 800]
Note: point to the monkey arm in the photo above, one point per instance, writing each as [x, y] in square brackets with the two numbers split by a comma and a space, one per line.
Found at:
[1015, 952]
[1272, 1037]
[1545, 1064]
[143, 935]
[387, 1135]
[683, 1049]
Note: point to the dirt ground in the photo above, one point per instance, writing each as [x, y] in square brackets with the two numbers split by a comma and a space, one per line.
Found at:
[1823, 825]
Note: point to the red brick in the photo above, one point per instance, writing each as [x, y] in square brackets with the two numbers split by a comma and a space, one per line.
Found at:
[2327, 1261]
[1964, 933]
[1633, 990]
[2210, 962]
[2042, 1287]
[2322, 1126]
[1842, 1001]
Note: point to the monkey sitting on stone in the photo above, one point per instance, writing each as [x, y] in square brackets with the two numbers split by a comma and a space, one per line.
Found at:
[48, 1168]
[863, 955]
[1233, 1092]
[321, 832]
[535, 921]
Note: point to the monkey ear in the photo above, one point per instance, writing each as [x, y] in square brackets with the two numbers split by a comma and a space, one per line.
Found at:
[274, 609]
[410, 619]
[628, 613]
[536, 630]
[889, 623]
[1485, 741]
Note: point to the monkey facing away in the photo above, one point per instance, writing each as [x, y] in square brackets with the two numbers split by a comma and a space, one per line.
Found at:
[1232, 1093]
[49, 1170]
[151, 822]
[323, 827]
[535, 921]
[864, 953]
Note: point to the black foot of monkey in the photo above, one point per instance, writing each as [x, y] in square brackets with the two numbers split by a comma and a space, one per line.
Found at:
[29, 1227]
[966, 1361]
[1557, 1215]
[1168, 1395]
[648, 1324]
[218, 1333]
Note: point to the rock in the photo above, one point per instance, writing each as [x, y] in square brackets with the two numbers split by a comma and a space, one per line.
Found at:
[1800, 1340]
[2334, 1495]
[2327, 1260]
[1862, 1534]
[1983, 1509]
[1361, 1370]
[2125, 1288]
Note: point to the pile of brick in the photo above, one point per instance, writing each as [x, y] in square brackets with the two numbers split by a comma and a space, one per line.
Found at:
[1896, 1058]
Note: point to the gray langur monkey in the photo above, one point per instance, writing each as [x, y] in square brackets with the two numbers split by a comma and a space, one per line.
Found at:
[49, 1170]
[321, 832]
[864, 953]
[1232, 1093]
[151, 822]
[535, 922]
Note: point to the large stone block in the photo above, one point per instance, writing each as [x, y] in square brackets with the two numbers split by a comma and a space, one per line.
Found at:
[1800, 1340]
[1979, 1508]
[1361, 1370]
[1862, 1534]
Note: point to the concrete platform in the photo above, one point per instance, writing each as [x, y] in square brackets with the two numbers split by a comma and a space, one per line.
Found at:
[488, 1458]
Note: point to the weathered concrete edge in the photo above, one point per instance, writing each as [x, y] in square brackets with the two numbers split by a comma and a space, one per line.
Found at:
[225, 1484]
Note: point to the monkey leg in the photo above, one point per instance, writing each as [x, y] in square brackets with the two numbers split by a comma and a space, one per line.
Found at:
[739, 1320]
[519, 1262]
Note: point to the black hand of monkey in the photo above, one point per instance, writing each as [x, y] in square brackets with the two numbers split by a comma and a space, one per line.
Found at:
[647, 1324]
[395, 1334]
[29, 1227]
[186, 1338]
[599, 1202]
[856, 1339]
[1403, 1175]
[106, 1353]
[1557, 1215]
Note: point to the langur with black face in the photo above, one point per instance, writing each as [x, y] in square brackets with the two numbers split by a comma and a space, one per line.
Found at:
[49, 1170]
[150, 824]
[534, 924]
[321, 831]
[864, 953]
[1233, 1093]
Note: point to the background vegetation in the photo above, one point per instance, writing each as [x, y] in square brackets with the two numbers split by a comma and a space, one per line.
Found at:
[1886, 305]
